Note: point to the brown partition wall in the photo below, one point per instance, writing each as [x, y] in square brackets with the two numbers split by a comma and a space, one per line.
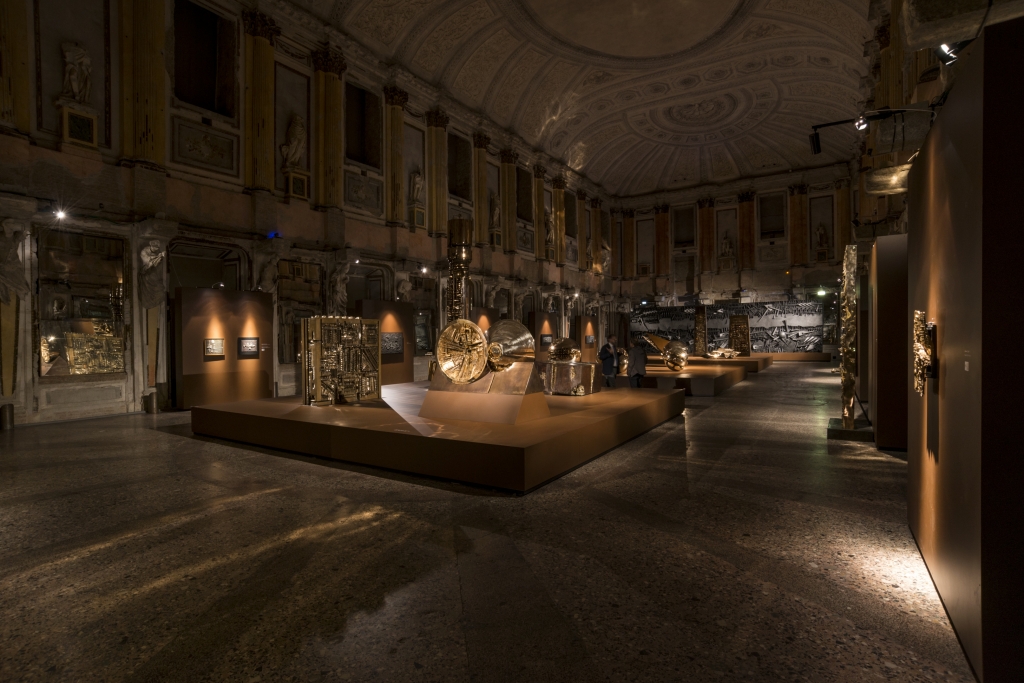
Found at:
[395, 317]
[217, 314]
[586, 327]
[887, 303]
[965, 241]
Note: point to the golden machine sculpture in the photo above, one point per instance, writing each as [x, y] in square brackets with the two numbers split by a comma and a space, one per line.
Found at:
[848, 334]
[565, 373]
[674, 352]
[925, 363]
[340, 360]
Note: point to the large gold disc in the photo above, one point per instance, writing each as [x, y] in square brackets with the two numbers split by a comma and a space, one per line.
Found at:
[462, 352]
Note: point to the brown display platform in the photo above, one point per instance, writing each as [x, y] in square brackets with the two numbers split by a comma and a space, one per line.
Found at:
[756, 362]
[710, 380]
[390, 434]
[812, 356]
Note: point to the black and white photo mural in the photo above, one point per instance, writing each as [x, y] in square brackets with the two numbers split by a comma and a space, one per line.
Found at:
[775, 326]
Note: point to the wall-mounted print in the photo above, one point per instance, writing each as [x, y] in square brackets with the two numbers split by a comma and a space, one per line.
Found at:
[392, 343]
[589, 340]
[546, 339]
[248, 347]
[213, 348]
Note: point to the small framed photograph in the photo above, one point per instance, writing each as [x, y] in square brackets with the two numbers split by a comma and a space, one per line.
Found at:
[248, 347]
[546, 339]
[589, 340]
[213, 348]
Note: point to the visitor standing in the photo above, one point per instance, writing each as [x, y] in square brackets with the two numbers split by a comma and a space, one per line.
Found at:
[637, 364]
[609, 357]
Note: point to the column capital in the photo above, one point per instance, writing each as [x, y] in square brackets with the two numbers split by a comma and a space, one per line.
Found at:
[797, 189]
[395, 96]
[705, 202]
[259, 25]
[329, 61]
[747, 196]
[436, 118]
[581, 195]
[595, 203]
[481, 140]
[558, 182]
[661, 209]
[842, 183]
[628, 213]
[539, 171]
[509, 156]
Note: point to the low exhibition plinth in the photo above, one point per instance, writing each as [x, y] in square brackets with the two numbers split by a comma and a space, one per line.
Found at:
[706, 381]
[391, 434]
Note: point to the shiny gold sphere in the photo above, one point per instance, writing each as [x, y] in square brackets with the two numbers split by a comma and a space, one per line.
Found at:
[564, 350]
[676, 355]
[462, 352]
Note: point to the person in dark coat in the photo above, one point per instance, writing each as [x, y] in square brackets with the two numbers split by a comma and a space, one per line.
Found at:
[637, 364]
[609, 361]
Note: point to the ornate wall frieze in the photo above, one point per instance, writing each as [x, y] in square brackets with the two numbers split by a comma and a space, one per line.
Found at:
[481, 140]
[437, 118]
[509, 156]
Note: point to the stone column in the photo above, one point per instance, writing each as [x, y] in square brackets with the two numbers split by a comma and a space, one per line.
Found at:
[481, 199]
[615, 245]
[260, 31]
[540, 228]
[143, 81]
[595, 243]
[395, 100]
[582, 241]
[437, 172]
[15, 97]
[662, 242]
[628, 244]
[746, 221]
[558, 217]
[844, 226]
[706, 228]
[509, 198]
[798, 236]
[329, 172]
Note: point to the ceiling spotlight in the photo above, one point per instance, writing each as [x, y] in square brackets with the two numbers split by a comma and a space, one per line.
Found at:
[60, 215]
[949, 52]
[357, 260]
[423, 269]
[815, 142]
[822, 292]
[643, 303]
[861, 123]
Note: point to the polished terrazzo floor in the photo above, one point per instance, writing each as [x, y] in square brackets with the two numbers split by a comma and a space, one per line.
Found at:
[733, 545]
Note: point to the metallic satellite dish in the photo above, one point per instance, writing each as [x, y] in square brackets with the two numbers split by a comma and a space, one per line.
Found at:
[462, 352]
[510, 342]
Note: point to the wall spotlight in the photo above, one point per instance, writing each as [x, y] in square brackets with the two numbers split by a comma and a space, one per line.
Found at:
[422, 270]
[60, 215]
[949, 52]
[861, 123]
[815, 142]
[822, 292]
[357, 260]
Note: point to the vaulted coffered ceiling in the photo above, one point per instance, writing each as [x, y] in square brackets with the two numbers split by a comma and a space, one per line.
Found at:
[639, 96]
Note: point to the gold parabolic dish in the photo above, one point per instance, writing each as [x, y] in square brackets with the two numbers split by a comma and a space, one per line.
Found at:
[462, 352]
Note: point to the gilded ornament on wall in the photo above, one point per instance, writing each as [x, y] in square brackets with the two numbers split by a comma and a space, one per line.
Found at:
[924, 351]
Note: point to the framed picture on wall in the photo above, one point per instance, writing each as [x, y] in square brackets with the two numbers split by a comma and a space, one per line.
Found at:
[546, 339]
[248, 347]
[589, 340]
[213, 348]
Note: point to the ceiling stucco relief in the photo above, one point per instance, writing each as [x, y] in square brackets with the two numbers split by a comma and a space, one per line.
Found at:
[511, 89]
[478, 71]
[444, 37]
[640, 97]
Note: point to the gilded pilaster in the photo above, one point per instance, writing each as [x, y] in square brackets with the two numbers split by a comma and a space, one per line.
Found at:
[558, 217]
[628, 244]
[799, 239]
[395, 100]
[616, 244]
[509, 196]
[706, 230]
[329, 126]
[844, 224]
[746, 219]
[15, 102]
[662, 242]
[260, 31]
[481, 199]
[143, 81]
[594, 243]
[437, 172]
[581, 229]
[543, 226]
